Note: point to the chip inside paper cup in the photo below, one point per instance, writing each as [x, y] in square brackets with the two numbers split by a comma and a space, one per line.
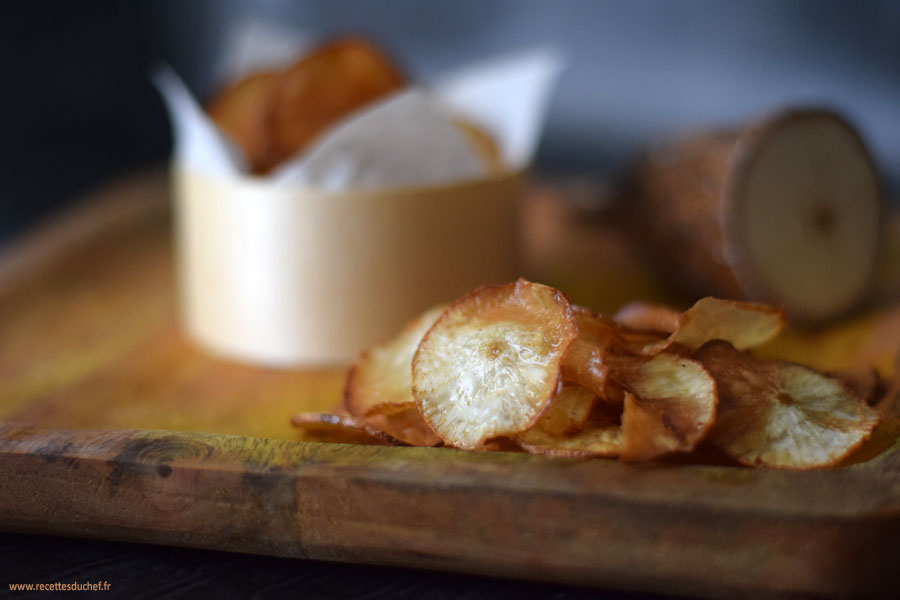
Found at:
[286, 276]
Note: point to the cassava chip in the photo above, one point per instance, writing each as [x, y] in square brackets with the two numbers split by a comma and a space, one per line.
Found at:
[600, 436]
[390, 408]
[568, 411]
[491, 363]
[742, 324]
[241, 111]
[406, 425]
[865, 384]
[584, 362]
[584, 365]
[345, 429]
[888, 403]
[780, 414]
[325, 86]
[670, 404]
[499, 444]
[603, 332]
[648, 316]
[381, 380]
[593, 328]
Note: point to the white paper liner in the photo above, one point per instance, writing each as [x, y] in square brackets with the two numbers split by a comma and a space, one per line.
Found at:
[199, 145]
[407, 140]
[506, 96]
[383, 216]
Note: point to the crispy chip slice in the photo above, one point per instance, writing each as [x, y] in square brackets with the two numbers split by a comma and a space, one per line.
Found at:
[241, 110]
[601, 436]
[390, 408]
[603, 332]
[888, 403]
[325, 86]
[742, 324]
[491, 363]
[780, 414]
[865, 384]
[568, 411]
[406, 425]
[500, 444]
[584, 362]
[594, 328]
[381, 380]
[669, 404]
[584, 365]
[648, 316]
[339, 428]
[601, 442]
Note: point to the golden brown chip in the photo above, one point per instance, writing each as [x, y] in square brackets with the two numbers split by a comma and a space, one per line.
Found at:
[865, 384]
[783, 415]
[604, 332]
[887, 434]
[338, 428]
[568, 411]
[406, 425]
[585, 366]
[742, 324]
[594, 328]
[584, 362]
[648, 316]
[326, 86]
[491, 363]
[499, 444]
[601, 442]
[381, 380]
[889, 402]
[390, 408]
[601, 436]
[670, 404]
[241, 111]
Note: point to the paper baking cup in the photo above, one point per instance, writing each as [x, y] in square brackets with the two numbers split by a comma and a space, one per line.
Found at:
[283, 276]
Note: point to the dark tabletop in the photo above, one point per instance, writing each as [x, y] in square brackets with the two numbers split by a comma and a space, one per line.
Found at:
[157, 572]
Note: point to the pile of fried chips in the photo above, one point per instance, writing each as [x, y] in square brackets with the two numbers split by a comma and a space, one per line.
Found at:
[273, 115]
[517, 366]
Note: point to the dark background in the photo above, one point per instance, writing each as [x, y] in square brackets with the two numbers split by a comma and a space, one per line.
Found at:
[78, 109]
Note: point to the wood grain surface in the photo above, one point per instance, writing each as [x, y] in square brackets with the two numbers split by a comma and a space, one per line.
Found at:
[686, 529]
[117, 428]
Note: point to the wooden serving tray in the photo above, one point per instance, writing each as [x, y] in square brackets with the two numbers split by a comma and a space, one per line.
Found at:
[115, 427]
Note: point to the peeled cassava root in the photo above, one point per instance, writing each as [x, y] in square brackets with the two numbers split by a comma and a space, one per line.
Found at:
[786, 210]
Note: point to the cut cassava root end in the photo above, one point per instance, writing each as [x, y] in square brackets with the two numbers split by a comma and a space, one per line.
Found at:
[785, 211]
